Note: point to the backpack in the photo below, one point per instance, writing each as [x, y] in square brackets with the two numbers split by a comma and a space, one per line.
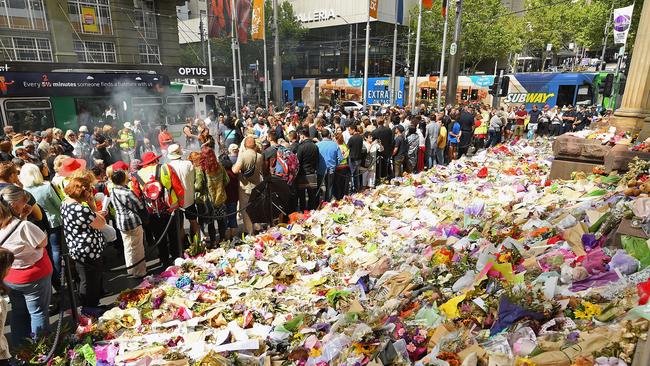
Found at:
[286, 164]
[154, 193]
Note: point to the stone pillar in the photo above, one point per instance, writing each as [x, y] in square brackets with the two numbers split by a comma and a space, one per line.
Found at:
[634, 113]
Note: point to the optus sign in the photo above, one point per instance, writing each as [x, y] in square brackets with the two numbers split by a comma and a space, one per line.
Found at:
[528, 97]
[193, 71]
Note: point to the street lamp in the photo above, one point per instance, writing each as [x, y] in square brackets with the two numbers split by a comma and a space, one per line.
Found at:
[350, 48]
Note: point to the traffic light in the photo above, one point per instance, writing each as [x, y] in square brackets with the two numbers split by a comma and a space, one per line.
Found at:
[608, 85]
[463, 94]
[424, 93]
[505, 84]
[474, 94]
[494, 88]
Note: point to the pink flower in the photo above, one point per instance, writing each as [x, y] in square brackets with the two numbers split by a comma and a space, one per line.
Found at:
[411, 347]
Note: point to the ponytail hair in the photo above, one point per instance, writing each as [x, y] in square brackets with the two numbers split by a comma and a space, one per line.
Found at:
[6, 260]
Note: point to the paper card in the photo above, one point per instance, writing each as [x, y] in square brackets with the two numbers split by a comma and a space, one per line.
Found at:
[238, 346]
[263, 265]
[573, 237]
[237, 332]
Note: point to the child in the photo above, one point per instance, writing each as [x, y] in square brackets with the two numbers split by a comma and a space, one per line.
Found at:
[6, 260]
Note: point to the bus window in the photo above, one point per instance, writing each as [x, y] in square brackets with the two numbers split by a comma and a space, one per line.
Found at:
[297, 95]
[148, 110]
[565, 95]
[179, 107]
[92, 111]
[34, 115]
[210, 103]
[585, 95]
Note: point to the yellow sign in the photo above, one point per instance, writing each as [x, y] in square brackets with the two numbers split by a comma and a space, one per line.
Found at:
[257, 20]
[89, 20]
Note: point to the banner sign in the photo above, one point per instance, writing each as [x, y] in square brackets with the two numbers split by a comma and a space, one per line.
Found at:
[374, 7]
[622, 23]
[32, 84]
[89, 19]
[257, 20]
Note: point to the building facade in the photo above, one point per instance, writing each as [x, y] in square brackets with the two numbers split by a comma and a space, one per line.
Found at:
[46, 35]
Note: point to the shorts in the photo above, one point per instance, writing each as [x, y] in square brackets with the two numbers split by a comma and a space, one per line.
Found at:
[518, 130]
[191, 213]
[231, 219]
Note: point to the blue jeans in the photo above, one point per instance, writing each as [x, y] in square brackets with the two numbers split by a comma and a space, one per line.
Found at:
[29, 309]
[356, 175]
[494, 137]
[54, 251]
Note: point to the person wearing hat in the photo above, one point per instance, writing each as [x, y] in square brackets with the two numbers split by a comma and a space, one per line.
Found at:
[126, 142]
[185, 171]
[162, 190]
[17, 140]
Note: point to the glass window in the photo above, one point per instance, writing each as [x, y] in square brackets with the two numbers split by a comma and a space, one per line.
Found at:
[34, 115]
[149, 54]
[26, 49]
[178, 108]
[145, 18]
[90, 16]
[23, 14]
[95, 52]
[148, 109]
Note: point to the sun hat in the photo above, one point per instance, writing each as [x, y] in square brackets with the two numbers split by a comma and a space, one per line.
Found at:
[174, 152]
[70, 165]
[149, 157]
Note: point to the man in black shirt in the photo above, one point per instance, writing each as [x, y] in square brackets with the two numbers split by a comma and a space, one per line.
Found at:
[400, 150]
[308, 157]
[270, 153]
[534, 115]
[385, 136]
[355, 145]
[568, 118]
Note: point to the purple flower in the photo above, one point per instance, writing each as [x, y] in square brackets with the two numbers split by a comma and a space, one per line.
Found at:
[573, 337]
[420, 192]
[358, 203]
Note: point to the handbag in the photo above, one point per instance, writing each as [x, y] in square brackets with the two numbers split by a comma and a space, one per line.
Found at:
[250, 171]
[309, 181]
[205, 207]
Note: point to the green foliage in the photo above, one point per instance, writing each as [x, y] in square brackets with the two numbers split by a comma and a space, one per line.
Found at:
[489, 32]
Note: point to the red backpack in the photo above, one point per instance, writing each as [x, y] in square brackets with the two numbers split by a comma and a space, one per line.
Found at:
[286, 164]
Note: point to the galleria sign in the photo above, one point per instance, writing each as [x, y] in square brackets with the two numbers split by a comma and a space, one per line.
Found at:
[319, 15]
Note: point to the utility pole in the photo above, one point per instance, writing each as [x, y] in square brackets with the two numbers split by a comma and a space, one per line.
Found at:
[609, 20]
[233, 45]
[266, 76]
[392, 73]
[416, 63]
[365, 67]
[452, 71]
[442, 60]
[350, 54]
[277, 62]
[202, 37]
[236, 31]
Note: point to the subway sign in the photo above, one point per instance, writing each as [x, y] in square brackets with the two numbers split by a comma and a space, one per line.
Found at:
[528, 97]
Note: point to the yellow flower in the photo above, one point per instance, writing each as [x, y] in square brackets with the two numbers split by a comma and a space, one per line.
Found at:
[521, 361]
[590, 311]
[315, 352]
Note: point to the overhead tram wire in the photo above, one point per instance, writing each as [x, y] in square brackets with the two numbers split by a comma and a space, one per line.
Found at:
[187, 38]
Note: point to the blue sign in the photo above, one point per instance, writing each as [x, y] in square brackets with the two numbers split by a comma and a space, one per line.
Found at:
[379, 91]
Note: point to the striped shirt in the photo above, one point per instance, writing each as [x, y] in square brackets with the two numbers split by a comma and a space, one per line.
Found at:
[126, 206]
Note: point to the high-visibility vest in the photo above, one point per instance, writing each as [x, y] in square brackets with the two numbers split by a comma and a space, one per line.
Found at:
[482, 129]
[127, 135]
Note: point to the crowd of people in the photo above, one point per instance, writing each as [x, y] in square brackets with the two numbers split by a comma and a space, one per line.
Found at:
[137, 187]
